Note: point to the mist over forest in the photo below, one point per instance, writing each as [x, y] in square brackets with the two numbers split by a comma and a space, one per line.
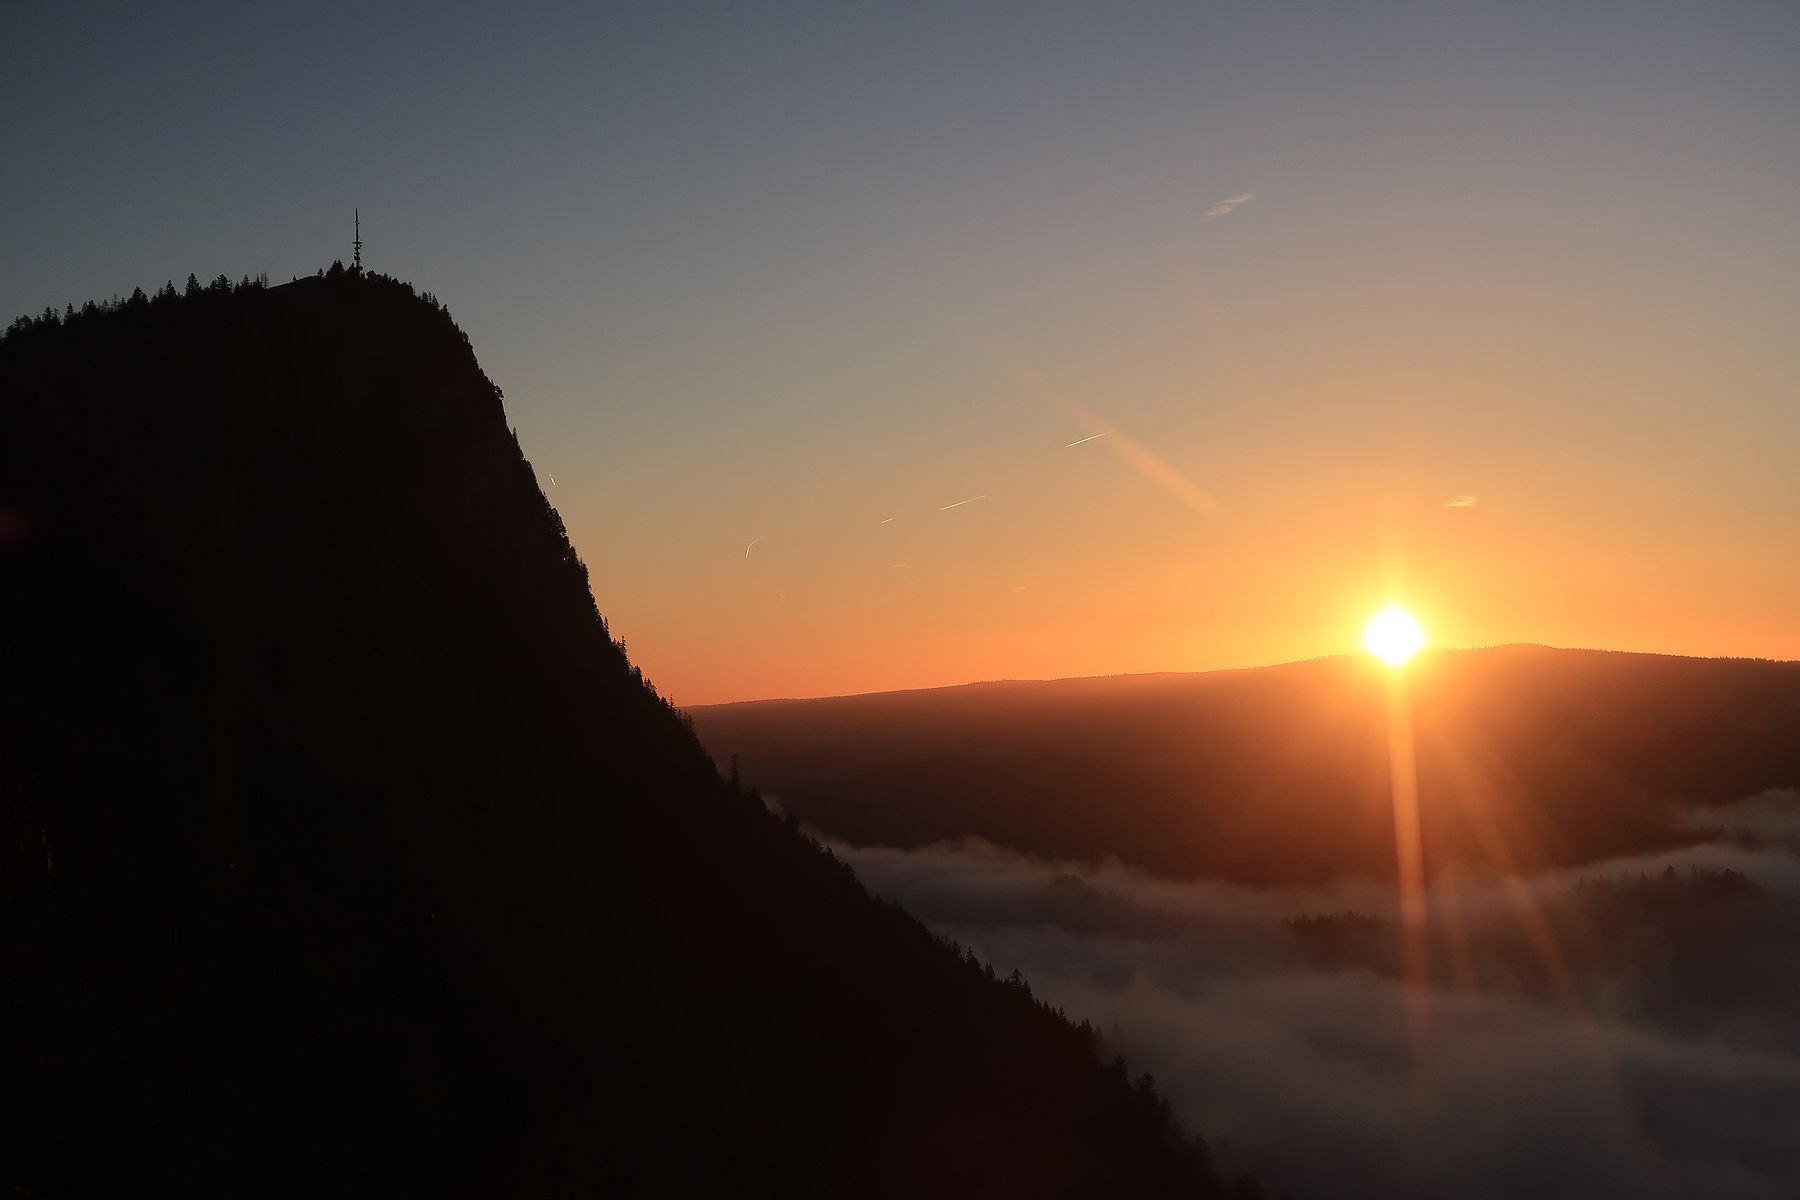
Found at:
[1621, 1028]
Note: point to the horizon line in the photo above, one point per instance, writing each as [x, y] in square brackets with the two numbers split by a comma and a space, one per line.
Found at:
[1347, 654]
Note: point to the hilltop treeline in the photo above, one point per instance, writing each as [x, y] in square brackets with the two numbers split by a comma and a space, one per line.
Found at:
[343, 850]
[1527, 758]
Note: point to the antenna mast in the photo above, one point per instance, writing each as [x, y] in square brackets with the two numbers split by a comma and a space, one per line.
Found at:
[356, 246]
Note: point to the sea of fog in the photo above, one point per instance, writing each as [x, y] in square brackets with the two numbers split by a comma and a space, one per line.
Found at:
[1631, 1028]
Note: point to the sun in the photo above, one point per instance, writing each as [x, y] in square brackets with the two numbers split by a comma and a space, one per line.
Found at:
[1394, 635]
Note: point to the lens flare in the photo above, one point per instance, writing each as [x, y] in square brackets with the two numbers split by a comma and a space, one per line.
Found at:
[1394, 635]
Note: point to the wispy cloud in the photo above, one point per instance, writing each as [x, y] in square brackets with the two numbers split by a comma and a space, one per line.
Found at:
[1227, 205]
[1462, 502]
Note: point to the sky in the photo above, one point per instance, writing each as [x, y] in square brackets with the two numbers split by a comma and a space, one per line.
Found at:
[1485, 309]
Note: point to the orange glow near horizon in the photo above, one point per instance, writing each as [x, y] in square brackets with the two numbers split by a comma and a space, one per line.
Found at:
[1078, 564]
[1185, 505]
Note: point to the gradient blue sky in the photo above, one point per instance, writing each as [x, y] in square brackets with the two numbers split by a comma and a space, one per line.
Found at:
[786, 271]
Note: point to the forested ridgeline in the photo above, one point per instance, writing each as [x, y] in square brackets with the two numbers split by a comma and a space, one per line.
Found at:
[343, 851]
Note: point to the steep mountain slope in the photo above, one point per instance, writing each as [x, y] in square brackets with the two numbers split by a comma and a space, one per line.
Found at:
[344, 852]
[1527, 758]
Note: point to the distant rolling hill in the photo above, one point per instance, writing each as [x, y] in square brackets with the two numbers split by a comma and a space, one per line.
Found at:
[1528, 758]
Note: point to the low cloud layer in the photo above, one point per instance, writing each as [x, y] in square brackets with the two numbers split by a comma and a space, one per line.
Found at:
[1772, 817]
[1626, 1029]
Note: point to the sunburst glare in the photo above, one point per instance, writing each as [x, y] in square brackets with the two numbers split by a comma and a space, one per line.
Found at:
[1394, 635]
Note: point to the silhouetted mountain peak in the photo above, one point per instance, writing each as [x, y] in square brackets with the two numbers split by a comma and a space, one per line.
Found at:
[343, 848]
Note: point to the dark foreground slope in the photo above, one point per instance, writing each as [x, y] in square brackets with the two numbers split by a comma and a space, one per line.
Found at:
[1527, 758]
[342, 851]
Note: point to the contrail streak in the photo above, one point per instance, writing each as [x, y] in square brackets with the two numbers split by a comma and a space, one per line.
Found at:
[889, 521]
[960, 503]
[1080, 441]
[750, 547]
